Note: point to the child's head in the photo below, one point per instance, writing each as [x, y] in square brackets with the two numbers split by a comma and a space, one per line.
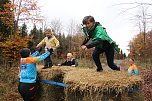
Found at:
[88, 21]
[25, 52]
[69, 56]
[131, 60]
[48, 32]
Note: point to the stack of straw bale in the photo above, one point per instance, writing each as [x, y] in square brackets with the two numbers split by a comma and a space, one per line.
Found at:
[89, 85]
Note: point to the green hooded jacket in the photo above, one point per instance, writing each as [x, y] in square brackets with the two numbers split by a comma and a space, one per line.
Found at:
[98, 33]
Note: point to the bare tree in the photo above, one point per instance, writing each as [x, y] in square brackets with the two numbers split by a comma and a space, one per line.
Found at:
[44, 23]
[143, 21]
[71, 30]
[25, 10]
[142, 17]
[56, 24]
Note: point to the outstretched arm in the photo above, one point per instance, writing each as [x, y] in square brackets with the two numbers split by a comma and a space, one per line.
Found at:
[45, 55]
[94, 43]
[37, 52]
[41, 43]
[63, 63]
[85, 40]
[75, 62]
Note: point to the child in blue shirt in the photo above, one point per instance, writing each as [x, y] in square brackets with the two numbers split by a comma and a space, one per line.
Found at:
[28, 74]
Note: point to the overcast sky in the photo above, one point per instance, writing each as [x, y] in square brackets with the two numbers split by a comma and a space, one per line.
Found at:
[118, 24]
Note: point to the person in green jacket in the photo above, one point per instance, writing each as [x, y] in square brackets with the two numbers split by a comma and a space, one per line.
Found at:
[100, 40]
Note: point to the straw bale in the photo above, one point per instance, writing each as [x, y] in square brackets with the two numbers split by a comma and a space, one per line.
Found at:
[88, 79]
[86, 84]
[52, 92]
[56, 70]
[89, 85]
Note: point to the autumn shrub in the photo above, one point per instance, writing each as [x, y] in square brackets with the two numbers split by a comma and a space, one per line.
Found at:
[147, 86]
[10, 49]
[8, 84]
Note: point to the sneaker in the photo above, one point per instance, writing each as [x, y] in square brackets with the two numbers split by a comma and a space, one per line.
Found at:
[50, 65]
[117, 69]
[99, 70]
[45, 67]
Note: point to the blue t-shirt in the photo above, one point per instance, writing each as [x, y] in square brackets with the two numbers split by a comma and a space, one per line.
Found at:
[28, 71]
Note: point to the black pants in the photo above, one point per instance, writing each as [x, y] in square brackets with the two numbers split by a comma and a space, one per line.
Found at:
[109, 52]
[28, 91]
[48, 62]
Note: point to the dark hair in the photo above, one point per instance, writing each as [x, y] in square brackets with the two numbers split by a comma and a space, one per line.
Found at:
[25, 52]
[88, 18]
[132, 59]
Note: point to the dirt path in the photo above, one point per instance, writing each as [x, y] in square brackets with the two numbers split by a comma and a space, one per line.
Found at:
[119, 63]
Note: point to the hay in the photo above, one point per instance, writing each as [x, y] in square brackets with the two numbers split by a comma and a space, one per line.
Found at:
[88, 79]
[89, 85]
[52, 92]
[86, 84]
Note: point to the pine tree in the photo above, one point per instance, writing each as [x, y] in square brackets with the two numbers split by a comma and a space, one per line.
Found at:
[24, 30]
[6, 18]
[35, 34]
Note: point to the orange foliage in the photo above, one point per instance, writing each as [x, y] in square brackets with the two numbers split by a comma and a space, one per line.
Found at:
[10, 48]
[139, 48]
[7, 15]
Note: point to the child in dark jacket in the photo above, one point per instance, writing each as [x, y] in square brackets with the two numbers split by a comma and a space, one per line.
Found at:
[28, 74]
[70, 61]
